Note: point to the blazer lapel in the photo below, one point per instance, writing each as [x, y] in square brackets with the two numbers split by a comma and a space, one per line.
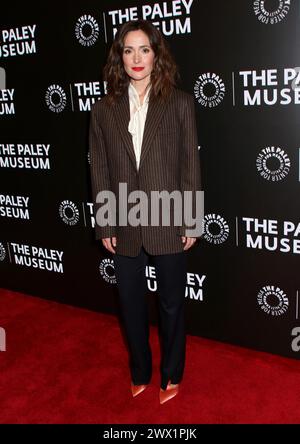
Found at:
[156, 110]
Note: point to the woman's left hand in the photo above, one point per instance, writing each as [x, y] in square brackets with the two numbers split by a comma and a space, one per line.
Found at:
[188, 241]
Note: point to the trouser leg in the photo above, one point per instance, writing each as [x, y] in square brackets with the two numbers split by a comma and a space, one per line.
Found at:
[171, 279]
[132, 287]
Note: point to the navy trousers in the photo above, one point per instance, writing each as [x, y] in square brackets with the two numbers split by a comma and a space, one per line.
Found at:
[132, 287]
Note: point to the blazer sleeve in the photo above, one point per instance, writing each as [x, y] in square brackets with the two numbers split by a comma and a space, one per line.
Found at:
[100, 179]
[190, 173]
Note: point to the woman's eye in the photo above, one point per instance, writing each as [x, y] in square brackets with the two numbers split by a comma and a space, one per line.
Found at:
[146, 50]
[127, 51]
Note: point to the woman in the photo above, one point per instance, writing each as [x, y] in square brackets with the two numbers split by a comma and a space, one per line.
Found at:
[143, 141]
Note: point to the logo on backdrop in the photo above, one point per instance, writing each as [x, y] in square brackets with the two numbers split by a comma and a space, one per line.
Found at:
[271, 17]
[69, 212]
[273, 164]
[37, 257]
[15, 207]
[25, 156]
[270, 87]
[107, 270]
[87, 30]
[272, 235]
[2, 252]
[170, 18]
[194, 284]
[85, 94]
[82, 96]
[70, 215]
[56, 98]
[7, 104]
[216, 229]
[272, 300]
[193, 289]
[18, 41]
[209, 90]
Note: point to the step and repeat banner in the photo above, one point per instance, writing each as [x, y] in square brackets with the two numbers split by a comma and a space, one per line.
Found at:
[240, 59]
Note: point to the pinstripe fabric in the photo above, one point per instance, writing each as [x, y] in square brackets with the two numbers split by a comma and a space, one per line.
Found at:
[169, 161]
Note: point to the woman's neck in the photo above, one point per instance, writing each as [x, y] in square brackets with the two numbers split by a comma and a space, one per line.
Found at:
[140, 86]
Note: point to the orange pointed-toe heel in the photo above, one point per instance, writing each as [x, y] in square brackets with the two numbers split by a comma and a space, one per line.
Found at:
[171, 391]
[137, 389]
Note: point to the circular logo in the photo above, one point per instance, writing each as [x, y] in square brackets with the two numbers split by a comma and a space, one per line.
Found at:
[209, 90]
[273, 163]
[107, 271]
[69, 212]
[273, 16]
[2, 252]
[56, 98]
[215, 229]
[87, 30]
[272, 300]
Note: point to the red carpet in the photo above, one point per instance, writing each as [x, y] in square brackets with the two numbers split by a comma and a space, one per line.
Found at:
[69, 365]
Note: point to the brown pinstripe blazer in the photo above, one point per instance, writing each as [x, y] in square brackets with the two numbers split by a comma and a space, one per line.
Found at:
[169, 161]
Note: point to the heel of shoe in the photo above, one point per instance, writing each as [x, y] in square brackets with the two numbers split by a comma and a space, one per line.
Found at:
[171, 391]
[137, 389]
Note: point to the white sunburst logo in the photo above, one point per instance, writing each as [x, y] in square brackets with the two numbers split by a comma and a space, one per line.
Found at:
[272, 300]
[87, 30]
[271, 17]
[69, 212]
[56, 98]
[209, 90]
[216, 229]
[273, 163]
[107, 271]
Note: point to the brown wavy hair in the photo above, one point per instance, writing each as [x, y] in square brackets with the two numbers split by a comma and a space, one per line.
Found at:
[164, 75]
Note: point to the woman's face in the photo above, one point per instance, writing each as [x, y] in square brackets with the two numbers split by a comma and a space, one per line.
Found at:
[138, 53]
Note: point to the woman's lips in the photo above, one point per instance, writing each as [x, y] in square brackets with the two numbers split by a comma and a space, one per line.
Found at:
[138, 68]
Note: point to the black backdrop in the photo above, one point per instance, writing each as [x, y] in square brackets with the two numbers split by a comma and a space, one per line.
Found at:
[240, 60]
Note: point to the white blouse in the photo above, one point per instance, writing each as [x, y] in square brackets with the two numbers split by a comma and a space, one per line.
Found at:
[138, 115]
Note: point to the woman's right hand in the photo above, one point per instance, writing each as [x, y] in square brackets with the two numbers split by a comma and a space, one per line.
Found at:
[109, 243]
